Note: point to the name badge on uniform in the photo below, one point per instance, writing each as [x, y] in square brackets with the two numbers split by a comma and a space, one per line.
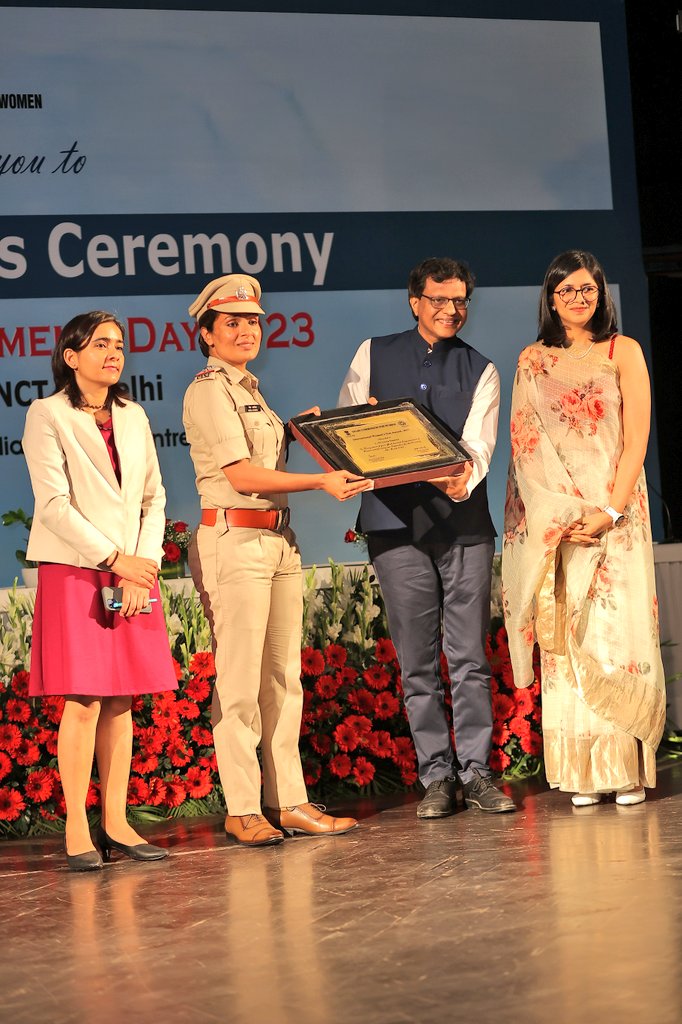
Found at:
[250, 408]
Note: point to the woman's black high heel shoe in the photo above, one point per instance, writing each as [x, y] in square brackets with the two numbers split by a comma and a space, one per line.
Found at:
[141, 851]
[90, 861]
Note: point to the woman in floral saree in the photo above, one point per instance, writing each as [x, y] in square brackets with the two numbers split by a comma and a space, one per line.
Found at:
[577, 566]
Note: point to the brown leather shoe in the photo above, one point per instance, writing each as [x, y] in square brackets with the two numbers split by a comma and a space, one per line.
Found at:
[251, 830]
[308, 820]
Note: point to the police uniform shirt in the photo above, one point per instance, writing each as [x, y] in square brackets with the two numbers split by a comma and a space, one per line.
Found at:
[227, 420]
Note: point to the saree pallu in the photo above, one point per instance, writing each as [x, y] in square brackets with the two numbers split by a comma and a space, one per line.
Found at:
[592, 610]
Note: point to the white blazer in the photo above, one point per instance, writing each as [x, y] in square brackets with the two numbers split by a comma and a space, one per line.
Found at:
[82, 514]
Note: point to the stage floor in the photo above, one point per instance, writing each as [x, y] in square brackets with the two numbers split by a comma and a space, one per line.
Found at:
[548, 916]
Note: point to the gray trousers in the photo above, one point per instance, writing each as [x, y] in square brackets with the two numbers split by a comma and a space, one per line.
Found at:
[424, 584]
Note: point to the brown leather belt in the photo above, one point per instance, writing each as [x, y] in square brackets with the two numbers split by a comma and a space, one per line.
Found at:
[276, 519]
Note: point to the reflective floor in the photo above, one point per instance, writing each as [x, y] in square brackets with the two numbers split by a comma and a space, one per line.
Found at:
[548, 915]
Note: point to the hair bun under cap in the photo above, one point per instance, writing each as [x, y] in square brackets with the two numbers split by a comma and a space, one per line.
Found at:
[233, 293]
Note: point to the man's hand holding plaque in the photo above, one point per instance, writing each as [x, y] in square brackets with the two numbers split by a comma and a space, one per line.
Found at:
[390, 443]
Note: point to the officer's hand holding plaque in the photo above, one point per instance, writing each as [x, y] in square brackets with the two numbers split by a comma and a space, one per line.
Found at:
[390, 443]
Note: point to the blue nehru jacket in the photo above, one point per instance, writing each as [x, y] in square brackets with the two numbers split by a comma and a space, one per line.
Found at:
[443, 380]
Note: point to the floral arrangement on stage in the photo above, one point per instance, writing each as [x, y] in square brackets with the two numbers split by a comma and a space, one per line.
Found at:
[355, 737]
[176, 538]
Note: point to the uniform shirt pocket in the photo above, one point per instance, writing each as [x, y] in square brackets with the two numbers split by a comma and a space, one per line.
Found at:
[258, 431]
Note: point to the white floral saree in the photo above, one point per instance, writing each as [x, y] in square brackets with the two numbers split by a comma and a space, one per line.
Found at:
[592, 610]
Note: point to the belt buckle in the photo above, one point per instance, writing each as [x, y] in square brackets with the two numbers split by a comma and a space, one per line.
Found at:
[283, 517]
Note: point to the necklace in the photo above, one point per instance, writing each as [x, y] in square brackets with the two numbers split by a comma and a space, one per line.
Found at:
[95, 408]
[582, 354]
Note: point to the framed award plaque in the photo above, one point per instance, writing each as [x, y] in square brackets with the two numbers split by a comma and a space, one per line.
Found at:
[391, 443]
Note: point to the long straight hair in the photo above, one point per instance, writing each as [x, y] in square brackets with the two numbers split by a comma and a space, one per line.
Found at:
[604, 320]
[76, 335]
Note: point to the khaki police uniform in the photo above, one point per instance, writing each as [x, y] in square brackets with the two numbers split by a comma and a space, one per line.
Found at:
[249, 581]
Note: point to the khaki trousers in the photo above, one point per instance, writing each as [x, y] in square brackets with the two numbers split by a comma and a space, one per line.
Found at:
[250, 587]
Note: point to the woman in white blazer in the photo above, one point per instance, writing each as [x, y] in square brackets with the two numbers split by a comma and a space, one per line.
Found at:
[98, 522]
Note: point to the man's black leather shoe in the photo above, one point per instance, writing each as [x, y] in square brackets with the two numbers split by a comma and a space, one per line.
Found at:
[440, 799]
[480, 793]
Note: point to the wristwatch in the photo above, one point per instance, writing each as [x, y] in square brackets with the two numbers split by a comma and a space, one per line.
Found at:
[616, 516]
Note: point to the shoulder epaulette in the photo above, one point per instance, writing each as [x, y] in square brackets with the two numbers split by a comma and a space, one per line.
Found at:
[207, 373]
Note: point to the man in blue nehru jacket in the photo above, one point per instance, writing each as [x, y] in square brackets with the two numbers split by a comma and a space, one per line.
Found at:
[432, 543]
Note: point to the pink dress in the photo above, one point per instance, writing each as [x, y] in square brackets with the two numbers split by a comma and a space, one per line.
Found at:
[78, 647]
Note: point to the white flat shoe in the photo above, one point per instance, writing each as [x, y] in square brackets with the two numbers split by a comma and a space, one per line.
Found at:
[585, 799]
[632, 796]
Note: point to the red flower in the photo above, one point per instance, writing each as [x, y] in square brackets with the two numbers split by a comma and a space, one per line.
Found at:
[197, 688]
[361, 724]
[362, 701]
[187, 708]
[350, 537]
[525, 704]
[335, 655]
[348, 676]
[385, 651]
[17, 710]
[202, 737]
[38, 786]
[5, 765]
[171, 552]
[376, 677]
[157, 791]
[311, 773]
[138, 790]
[386, 705]
[178, 754]
[177, 668]
[150, 740]
[208, 761]
[10, 737]
[380, 743]
[11, 804]
[312, 662]
[179, 526]
[321, 744]
[404, 754]
[408, 776]
[531, 744]
[328, 709]
[363, 771]
[20, 683]
[27, 753]
[500, 733]
[499, 760]
[519, 727]
[175, 791]
[346, 737]
[202, 665]
[164, 713]
[92, 798]
[144, 764]
[52, 708]
[327, 686]
[50, 739]
[340, 765]
[198, 782]
[503, 706]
